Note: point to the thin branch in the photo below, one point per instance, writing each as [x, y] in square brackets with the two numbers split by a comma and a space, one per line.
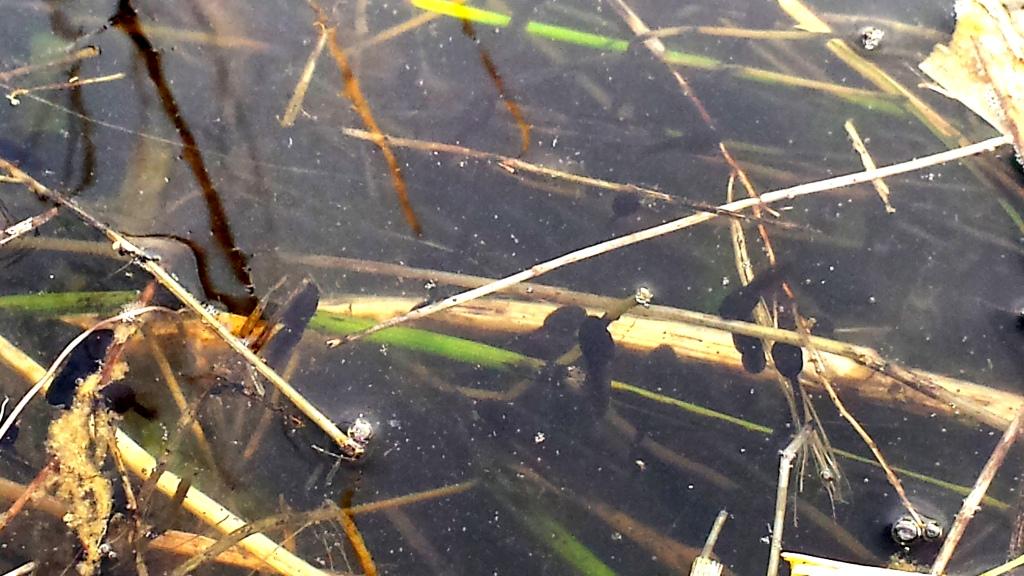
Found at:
[970, 505]
[19, 229]
[291, 111]
[30, 492]
[84, 53]
[14, 95]
[869, 164]
[352, 91]
[680, 224]
[826, 383]
[514, 165]
[782, 496]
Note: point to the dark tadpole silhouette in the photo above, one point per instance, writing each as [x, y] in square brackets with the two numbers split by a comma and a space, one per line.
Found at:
[739, 305]
[789, 360]
[598, 351]
[120, 398]
[624, 205]
[556, 336]
[84, 360]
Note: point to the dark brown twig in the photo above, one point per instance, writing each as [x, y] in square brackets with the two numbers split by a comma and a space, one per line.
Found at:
[970, 505]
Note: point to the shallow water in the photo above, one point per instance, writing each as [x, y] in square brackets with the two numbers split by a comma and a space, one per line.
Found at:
[188, 150]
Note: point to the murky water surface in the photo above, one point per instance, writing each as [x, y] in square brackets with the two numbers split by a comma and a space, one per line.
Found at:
[544, 470]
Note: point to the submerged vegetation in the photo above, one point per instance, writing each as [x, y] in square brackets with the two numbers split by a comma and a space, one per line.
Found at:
[450, 287]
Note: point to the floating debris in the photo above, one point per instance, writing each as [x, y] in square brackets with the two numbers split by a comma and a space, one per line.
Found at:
[870, 37]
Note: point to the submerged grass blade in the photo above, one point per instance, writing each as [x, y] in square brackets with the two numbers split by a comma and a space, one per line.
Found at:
[550, 532]
[450, 347]
[692, 408]
[56, 303]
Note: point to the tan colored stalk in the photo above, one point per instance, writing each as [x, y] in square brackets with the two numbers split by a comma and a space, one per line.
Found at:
[680, 224]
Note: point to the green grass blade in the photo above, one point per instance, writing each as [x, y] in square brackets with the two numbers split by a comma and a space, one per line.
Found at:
[66, 302]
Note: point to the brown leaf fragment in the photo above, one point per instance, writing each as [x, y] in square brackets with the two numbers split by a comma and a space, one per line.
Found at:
[983, 64]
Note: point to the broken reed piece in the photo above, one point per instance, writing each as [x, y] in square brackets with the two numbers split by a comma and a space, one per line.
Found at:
[19, 229]
[294, 106]
[869, 164]
[13, 97]
[82, 54]
[704, 565]
[121, 244]
[782, 494]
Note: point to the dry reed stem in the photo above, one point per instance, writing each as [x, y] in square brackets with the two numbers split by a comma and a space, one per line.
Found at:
[413, 498]
[43, 502]
[730, 32]
[170, 541]
[136, 537]
[499, 84]
[826, 383]
[680, 224]
[174, 438]
[716, 529]
[23, 570]
[509, 163]
[14, 95]
[674, 555]
[122, 245]
[512, 165]
[17, 230]
[395, 31]
[782, 496]
[1004, 568]
[81, 54]
[213, 514]
[669, 456]
[268, 416]
[807, 20]
[657, 48]
[291, 110]
[39, 482]
[188, 544]
[970, 505]
[869, 164]
[418, 541]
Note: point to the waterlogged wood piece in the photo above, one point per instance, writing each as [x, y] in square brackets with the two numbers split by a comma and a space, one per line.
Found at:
[983, 64]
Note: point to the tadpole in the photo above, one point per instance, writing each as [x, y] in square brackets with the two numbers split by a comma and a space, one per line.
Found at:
[598, 349]
[84, 360]
[739, 305]
[120, 398]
